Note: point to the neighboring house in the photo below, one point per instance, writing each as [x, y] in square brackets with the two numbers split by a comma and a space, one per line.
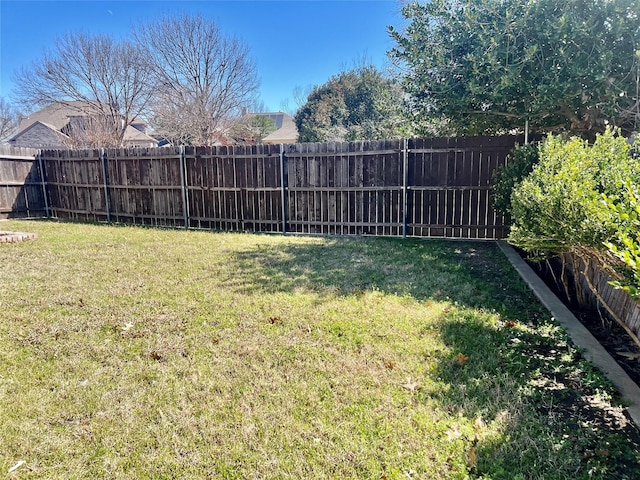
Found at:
[285, 132]
[134, 136]
[39, 135]
[61, 125]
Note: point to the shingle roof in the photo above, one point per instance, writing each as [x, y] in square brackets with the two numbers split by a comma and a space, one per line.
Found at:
[57, 115]
[286, 130]
[133, 134]
[38, 122]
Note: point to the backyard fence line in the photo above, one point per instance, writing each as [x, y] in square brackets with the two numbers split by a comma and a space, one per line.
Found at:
[9, 152]
[436, 187]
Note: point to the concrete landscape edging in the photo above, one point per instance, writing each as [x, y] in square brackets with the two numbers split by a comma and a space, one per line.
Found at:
[14, 237]
[592, 350]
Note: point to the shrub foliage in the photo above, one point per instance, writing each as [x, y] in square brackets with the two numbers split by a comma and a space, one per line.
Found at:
[520, 163]
[581, 198]
[626, 244]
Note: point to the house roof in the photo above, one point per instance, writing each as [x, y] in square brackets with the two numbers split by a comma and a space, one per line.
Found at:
[286, 130]
[132, 134]
[58, 115]
[36, 123]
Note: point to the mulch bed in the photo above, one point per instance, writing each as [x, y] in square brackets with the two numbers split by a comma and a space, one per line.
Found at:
[610, 335]
[614, 339]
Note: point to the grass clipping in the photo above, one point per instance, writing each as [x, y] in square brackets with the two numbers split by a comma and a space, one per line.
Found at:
[139, 353]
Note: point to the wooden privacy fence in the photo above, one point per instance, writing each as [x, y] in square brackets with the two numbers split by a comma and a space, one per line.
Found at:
[22, 189]
[438, 187]
[420, 187]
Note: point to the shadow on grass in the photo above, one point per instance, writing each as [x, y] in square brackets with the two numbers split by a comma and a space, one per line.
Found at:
[523, 368]
[558, 422]
[472, 274]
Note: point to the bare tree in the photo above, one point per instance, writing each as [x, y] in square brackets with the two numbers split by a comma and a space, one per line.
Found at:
[300, 95]
[9, 119]
[203, 77]
[92, 131]
[112, 77]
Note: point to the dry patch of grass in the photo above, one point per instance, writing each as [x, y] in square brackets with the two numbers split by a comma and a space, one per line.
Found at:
[139, 353]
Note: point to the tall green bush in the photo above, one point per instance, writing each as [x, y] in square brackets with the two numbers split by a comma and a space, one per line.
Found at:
[559, 208]
[520, 162]
[626, 244]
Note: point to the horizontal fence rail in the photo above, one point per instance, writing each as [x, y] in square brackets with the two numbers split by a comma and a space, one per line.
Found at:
[438, 187]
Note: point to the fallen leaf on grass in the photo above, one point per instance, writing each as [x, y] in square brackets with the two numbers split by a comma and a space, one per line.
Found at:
[479, 423]
[411, 385]
[387, 364]
[453, 433]
[472, 458]
[305, 328]
[461, 359]
[155, 355]
[127, 327]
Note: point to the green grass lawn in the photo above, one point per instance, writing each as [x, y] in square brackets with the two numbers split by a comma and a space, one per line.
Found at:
[138, 353]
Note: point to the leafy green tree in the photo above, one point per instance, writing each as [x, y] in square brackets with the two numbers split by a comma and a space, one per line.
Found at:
[252, 129]
[360, 104]
[262, 126]
[489, 65]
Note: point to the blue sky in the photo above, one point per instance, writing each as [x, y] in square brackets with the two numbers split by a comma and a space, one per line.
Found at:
[294, 43]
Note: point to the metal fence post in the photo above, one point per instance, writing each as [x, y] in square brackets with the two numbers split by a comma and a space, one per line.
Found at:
[43, 183]
[284, 189]
[405, 186]
[183, 181]
[105, 176]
